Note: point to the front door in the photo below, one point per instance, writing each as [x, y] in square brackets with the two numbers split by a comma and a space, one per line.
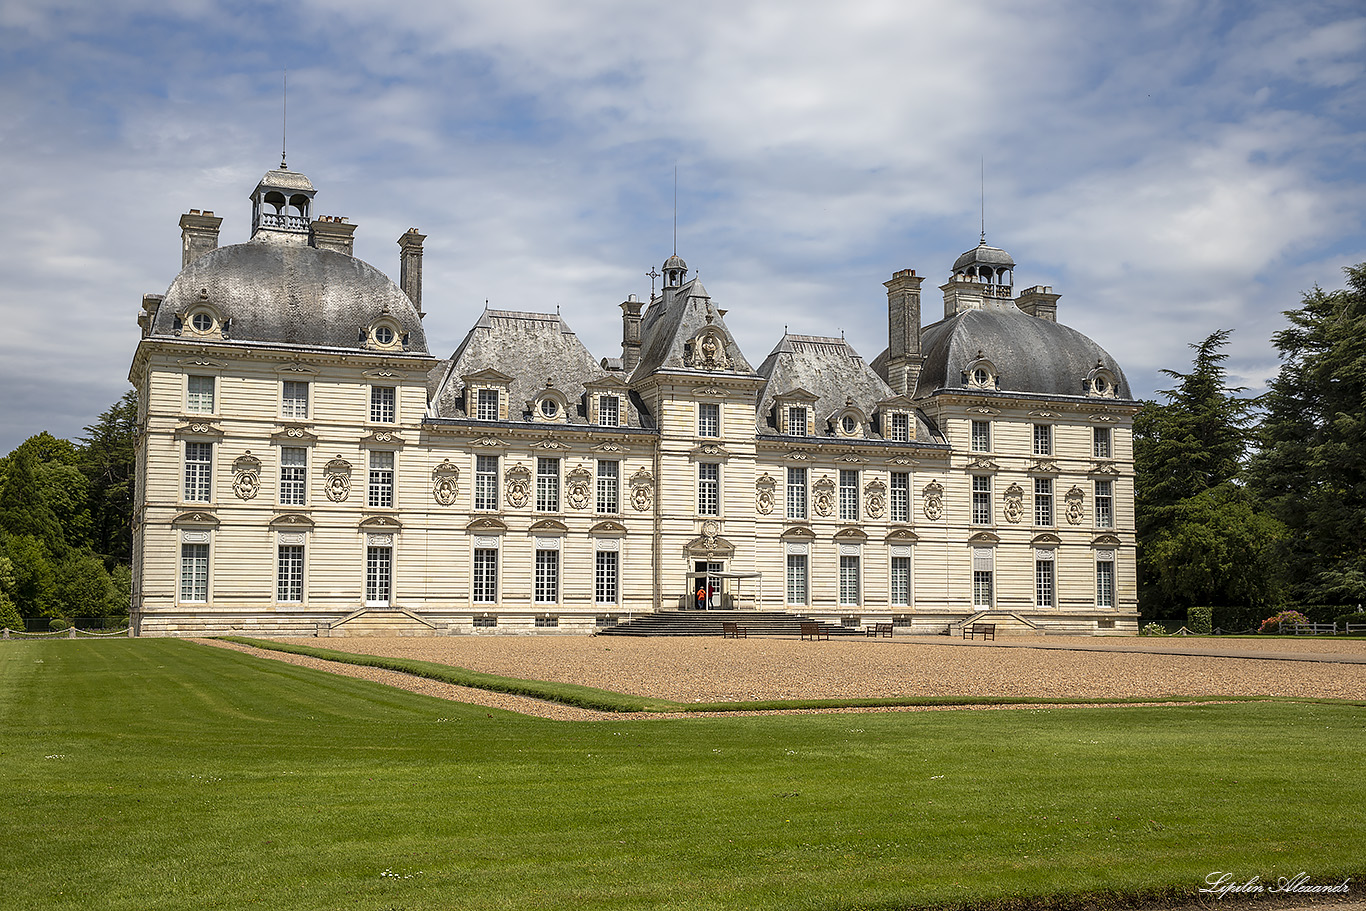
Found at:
[706, 590]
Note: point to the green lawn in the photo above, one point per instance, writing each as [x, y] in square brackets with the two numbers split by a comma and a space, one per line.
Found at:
[147, 774]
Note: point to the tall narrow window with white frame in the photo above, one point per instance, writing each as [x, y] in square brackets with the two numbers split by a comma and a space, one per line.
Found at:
[1045, 594]
[983, 571]
[708, 489]
[289, 575]
[198, 472]
[796, 493]
[293, 476]
[1105, 578]
[797, 589]
[900, 427]
[606, 581]
[294, 400]
[981, 436]
[379, 574]
[851, 581]
[899, 583]
[1101, 446]
[1043, 439]
[547, 484]
[199, 394]
[849, 495]
[381, 487]
[708, 419]
[981, 499]
[485, 576]
[194, 572]
[609, 410]
[1105, 503]
[489, 406]
[899, 501]
[609, 487]
[383, 404]
[1043, 501]
[547, 581]
[486, 482]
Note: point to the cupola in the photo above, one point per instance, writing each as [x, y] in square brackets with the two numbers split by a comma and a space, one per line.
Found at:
[281, 206]
[675, 271]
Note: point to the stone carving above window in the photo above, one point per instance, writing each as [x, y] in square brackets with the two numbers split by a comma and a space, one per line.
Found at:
[1014, 509]
[707, 350]
[518, 486]
[982, 463]
[763, 494]
[246, 476]
[445, 482]
[825, 496]
[580, 487]
[933, 498]
[875, 499]
[1075, 509]
[642, 490]
[337, 479]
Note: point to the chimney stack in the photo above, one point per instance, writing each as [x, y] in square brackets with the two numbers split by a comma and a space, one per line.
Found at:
[332, 232]
[410, 267]
[630, 333]
[198, 235]
[1039, 301]
[903, 331]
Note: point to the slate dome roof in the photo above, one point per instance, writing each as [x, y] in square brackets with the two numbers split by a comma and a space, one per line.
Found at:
[984, 255]
[1030, 355]
[290, 294]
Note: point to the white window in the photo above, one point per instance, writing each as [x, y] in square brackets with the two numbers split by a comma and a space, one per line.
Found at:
[981, 499]
[289, 574]
[1043, 439]
[848, 495]
[293, 476]
[900, 427]
[488, 405]
[708, 489]
[381, 488]
[708, 419]
[379, 575]
[485, 575]
[900, 582]
[796, 420]
[485, 482]
[194, 572]
[796, 494]
[1105, 504]
[383, 404]
[1100, 442]
[198, 472]
[1044, 593]
[1043, 501]
[899, 504]
[982, 566]
[547, 485]
[199, 395]
[606, 583]
[609, 411]
[796, 579]
[849, 579]
[981, 436]
[609, 487]
[294, 400]
[547, 576]
[1105, 578]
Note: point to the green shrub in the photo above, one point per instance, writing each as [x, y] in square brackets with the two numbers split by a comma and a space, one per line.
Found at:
[1154, 629]
[1341, 619]
[1320, 613]
[1235, 618]
[1273, 624]
[1200, 620]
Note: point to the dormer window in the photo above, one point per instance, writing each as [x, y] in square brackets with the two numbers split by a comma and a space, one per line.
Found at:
[848, 421]
[899, 427]
[202, 322]
[797, 420]
[980, 377]
[609, 410]
[848, 425]
[549, 408]
[1100, 381]
[487, 409]
[384, 333]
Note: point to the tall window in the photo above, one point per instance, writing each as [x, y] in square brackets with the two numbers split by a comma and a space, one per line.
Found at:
[849, 580]
[199, 395]
[383, 404]
[708, 419]
[981, 436]
[548, 485]
[796, 579]
[796, 493]
[1043, 501]
[1100, 442]
[199, 472]
[1044, 595]
[294, 400]
[796, 420]
[609, 487]
[900, 427]
[982, 565]
[293, 476]
[379, 575]
[485, 575]
[1043, 439]
[899, 504]
[289, 575]
[901, 581]
[708, 489]
[194, 572]
[606, 583]
[487, 409]
[547, 576]
[609, 410]
[1105, 578]
[981, 499]
[1105, 504]
[485, 482]
[848, 495]
[381, 490]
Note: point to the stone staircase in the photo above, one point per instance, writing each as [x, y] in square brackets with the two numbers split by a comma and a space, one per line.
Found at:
[708, 623]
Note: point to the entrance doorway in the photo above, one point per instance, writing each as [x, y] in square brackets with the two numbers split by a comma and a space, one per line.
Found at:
[706, 585]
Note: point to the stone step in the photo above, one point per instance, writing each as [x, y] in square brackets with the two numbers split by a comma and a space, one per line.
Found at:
[708, 623]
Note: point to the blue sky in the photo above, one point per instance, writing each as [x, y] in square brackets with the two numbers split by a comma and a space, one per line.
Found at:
[1170, 168]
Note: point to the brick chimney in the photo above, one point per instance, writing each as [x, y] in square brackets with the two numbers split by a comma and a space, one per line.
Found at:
[1039, 301]
[410, 267]
[332, 232]
[198, 235]
[630, 333]
[903, 331]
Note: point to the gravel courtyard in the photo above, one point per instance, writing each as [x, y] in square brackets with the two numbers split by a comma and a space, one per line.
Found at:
[710, 669]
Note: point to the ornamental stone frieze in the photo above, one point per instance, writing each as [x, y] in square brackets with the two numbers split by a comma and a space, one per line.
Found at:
[382, 438]
[293, 435]
[337, 479]
[763, 494]
[579, 486]
[933, 498]
[1075, 510]
[875, 499]
[1105, 466]
[1044, 466]
[824, 496]
[445, 482]
[707, 350]
[982, 463]
[642, 490]
[1014, 508]
[518, 486]
[246, 476]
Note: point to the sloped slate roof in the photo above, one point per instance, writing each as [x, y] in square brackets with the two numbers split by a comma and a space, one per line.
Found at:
[674, 318]
[290, 294]
[1031, 355]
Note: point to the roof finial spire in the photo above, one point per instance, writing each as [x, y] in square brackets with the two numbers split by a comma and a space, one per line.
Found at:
[675, 208]
[284, 120]
[984, 198]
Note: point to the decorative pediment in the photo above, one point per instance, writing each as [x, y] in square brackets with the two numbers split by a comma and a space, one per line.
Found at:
[983, 409]
[607, 529]
[1043, 466]
[797, 396]
[296, 520]
[1050, 415]
[487, 377]
[984, 539]
[548, 527]
[897, 403]
[709, 451]
[902, 461]
[901, 535]
[1105, 540]
[609, 447]
[850, 459]
[488, 442]
[197, 518]
[982, 463]
[202, 361]
[385, 438]
[850, 534]
[487, 525]
[798, 533]
[797, 455]
[608, 383]
[198, 430]
[384, 372]
[294, 435]
[1105, 466]
[549, 443]
[380, 523]
[1045, 539]
[709, 546]
[297, 369]
[709, 392]
[1104, 418]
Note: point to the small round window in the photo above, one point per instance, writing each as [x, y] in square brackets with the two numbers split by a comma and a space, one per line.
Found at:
[1101, 385]
[384, 335]
[849, 424]
[550, 407]
[980, 376]
[201, 321]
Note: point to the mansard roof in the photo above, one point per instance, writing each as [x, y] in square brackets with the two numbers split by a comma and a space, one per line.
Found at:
[675, 318]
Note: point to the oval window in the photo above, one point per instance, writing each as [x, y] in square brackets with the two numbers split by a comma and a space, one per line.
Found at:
[849, 424]
[980, 376]
[1101, 385]
[549, 407]
[384, 335]
[202, 322]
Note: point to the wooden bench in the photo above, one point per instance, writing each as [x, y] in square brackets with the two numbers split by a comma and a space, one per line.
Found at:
[731, 630]
[813, 631]
[985, 630]
[879, 629]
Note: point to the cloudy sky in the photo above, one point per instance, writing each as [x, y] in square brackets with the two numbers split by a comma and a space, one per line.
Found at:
[1171, 168]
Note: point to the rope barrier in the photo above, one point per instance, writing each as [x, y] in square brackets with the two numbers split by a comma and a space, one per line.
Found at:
[70, 633]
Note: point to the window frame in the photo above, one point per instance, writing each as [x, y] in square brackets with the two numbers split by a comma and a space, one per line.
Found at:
[982, 513]
[380, 489]
[850, 580]
[291, 406]
[848, 495]
[488, 404]
[486, 471]
[899, 427]
[1045, 515]
[899, 497]
[1102, 442]
[799, 586]
[604, 399]
[548, 484]
[606, 577]
[197, 486]
[797, 494]
[709, 488]
[1104, 503]
[383, 404]
[289, 577]
[899, 581]
[607, 490]
[195, 399]
[293, 476]
[709, 420]
[379, 579]
[1043, 440]
[1045, 582]
[484, 576]
[193, 578]
[980, 436]
[546, 576]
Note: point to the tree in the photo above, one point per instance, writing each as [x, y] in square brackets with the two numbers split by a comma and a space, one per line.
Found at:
[108, 461]
[9, 616]
[23, 505]
[1311, 467]
[1201, 539]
